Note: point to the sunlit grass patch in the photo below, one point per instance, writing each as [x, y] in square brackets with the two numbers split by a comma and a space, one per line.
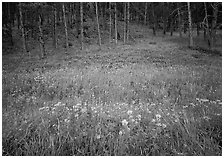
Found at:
[133, 109]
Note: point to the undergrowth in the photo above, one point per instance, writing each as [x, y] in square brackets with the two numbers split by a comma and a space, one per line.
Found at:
[133, 109]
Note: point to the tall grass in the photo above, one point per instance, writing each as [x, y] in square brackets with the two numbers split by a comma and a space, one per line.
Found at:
[133, 109]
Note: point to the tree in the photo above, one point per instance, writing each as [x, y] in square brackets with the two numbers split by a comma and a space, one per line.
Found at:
[41, 39]
[65, 26]
[81, 16]
[110, 22]
[154, 19]
[128, 18]
[145, 17]
[98, 25]
[55, 27]
[214, 23]
[206, 33]
[22, 27]
[115, 21]
[125, 19]
[10, 24]
[179, 20]
[190, 25]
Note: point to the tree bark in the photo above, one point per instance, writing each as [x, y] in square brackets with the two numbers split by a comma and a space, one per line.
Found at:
[22, 28]
[110, 22]
[190, 25]
[81, 16]
[55, 28]
[125, 19]
[128, 18]
[115, 21]
[154, 20]
[207, 34]
[98, 25]
[179, 20]
[10, 24]
[41, 39]
[65, 26]
[145, 16]
[214, 22]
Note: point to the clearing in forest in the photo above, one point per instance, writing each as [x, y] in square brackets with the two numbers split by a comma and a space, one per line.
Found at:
[153, 96]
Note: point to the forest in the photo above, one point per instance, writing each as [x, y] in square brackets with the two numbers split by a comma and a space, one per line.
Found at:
[112, 78]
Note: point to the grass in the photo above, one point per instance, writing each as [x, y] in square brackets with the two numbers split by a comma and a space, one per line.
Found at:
[140, 99]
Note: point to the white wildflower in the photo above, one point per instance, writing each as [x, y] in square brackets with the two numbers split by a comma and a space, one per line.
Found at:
[158, 116]
[139, 117]
[58, 104]
[204, 100]
[153, 120]
[120, 133]
[129, 112]
[84, 110]
[124, 122]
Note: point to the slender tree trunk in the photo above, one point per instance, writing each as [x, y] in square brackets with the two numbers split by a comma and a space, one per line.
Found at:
[110, 22]
[207, 37]
[65, 26]
[214, 22]
[98, 25]
[22, 28]
[128, 18]
[190, 25]
[115, 21]
[171, 27]
[125, 19]
[41, 39]
[179, 20]
[145, 17]
[198, 29]
[10, 24]
[81, 15]
[55, 28]
[164, 18]
[154, 20]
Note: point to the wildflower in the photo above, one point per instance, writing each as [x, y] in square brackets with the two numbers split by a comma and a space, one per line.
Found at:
[129, 112]
[120, 133]
[84, 110]
[98, 136]
[204, 100]
[58, 104]
[139, 117]
[206, 118]
[164, 125]
[124, 122]
[153, 120]
[44, 108]
[158, 116]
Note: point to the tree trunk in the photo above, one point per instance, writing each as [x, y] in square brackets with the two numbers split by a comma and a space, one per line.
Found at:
[22, 28]
[164, 18]
[41, 39]
[154, 20]
[125, 19]
[10, 24]
[110, 22]
[55, 28]
[115, 21]
[190, 25]
[179, 20]
[207, 34]
[214, 22]
[198, 29]
[81, 16]
[128, 18]
[145, 17]
[65, 26]
[98, 25]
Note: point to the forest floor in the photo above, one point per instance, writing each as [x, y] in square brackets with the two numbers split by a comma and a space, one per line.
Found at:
[152, 96]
